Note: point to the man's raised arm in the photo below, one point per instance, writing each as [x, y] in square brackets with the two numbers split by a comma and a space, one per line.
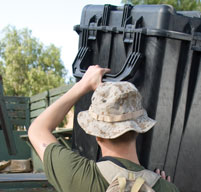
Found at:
[40, 131]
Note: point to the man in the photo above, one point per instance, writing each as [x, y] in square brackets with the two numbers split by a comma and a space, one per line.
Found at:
[114, 117]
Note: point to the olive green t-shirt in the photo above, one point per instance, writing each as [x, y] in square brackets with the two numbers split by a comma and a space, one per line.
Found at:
[67, 171]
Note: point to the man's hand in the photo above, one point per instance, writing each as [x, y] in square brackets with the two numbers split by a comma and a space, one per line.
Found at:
[93, 77]
[163, 175]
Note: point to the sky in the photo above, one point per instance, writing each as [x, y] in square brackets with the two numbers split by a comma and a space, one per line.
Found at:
[51, 21]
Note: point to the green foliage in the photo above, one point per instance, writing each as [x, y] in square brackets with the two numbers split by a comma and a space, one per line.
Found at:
[27, 66]
[182, 5]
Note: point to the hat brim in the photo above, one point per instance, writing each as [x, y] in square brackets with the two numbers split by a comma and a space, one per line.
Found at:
[106, 130]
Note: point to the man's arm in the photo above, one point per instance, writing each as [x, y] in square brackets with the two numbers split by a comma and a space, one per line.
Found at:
[40, 131]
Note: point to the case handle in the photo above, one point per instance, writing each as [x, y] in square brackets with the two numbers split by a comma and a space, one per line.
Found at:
[127, 71]
[81, 62]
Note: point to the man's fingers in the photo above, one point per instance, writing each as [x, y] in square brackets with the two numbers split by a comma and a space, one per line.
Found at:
[158, 171]
[105, 70]
[168, 178]
[163, 174]
[93, 77]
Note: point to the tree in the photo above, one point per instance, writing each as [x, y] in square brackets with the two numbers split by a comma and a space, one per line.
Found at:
[27, 66]
[181, 5]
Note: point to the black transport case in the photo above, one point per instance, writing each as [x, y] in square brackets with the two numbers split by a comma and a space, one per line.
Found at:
[157, 49]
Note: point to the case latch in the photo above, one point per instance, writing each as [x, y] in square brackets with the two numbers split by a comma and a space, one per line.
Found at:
[196, 42]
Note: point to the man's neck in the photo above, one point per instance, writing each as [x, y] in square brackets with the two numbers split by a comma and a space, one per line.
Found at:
[124, 152]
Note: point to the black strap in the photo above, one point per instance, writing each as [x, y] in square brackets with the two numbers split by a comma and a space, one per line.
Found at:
[113, 159]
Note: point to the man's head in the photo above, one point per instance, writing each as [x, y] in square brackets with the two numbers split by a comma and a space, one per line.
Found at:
[115, 110]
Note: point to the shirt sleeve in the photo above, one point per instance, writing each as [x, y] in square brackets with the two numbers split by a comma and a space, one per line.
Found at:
[67, 171]
[163, 185]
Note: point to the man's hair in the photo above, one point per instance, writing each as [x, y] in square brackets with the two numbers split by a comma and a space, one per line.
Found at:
[125, 138]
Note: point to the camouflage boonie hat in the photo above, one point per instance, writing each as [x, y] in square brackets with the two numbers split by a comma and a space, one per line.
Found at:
[115, 109]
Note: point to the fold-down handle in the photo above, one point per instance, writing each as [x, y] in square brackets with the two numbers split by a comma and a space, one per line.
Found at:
[128, 70]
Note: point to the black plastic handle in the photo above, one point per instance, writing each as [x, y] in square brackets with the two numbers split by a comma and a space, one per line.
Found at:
[128, 70]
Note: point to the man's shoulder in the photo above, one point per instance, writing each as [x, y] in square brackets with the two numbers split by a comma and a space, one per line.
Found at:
[163, 185]
[160, 186]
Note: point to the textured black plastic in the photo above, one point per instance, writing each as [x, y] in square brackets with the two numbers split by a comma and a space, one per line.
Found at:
[157, 49]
